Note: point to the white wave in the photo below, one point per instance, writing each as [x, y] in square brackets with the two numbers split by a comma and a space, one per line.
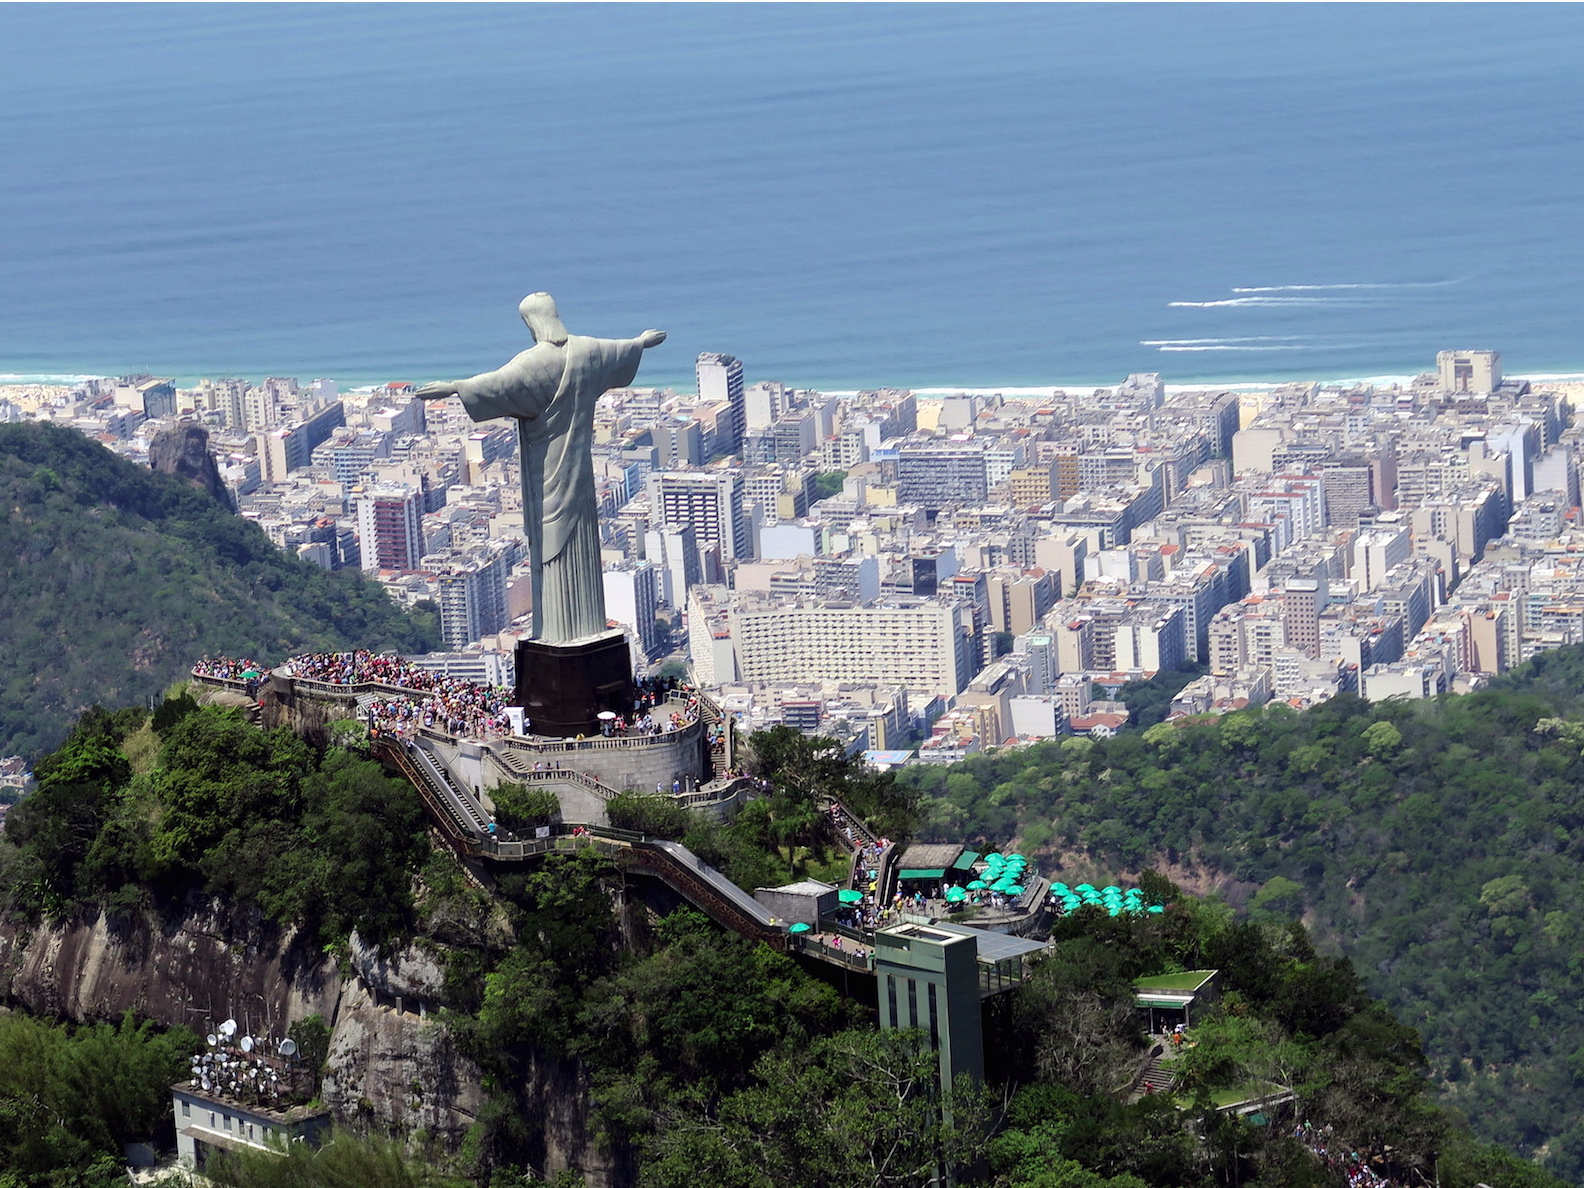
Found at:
[1226, 302]
[1440, 284]
[1291, 346]
[14, 379]
[1184, 342]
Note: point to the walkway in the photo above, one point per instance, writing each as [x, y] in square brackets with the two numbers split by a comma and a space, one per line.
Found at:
[461, 822]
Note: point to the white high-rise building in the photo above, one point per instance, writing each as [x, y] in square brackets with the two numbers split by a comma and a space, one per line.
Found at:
[674, 552]
[631, 595]
[1475, 372]
[472, 595]
[720, 379]
[922, 645]
[763, 404]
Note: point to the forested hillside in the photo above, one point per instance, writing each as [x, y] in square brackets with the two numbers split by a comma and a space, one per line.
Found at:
[115, 579]
[706, 1059]
[1436, 843]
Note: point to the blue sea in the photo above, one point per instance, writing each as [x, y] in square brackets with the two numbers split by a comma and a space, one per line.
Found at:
[844, 196]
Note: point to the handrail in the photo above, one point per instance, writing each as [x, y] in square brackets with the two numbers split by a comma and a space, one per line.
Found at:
[602, 743]
[508, 764]
[470, 806]
[445, 818]
[863, 961]
[684, 871]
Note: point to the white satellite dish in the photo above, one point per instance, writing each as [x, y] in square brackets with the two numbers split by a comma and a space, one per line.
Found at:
[205, 1083]
[228, 1028]
[288, 1047]
[212, 1038]
[247, 1043]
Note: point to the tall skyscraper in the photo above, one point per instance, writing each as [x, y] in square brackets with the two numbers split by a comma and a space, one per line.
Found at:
[711, 502]
[1305, 598]
[720, 379]
[631, 594]
[390, 527]
[472, 595]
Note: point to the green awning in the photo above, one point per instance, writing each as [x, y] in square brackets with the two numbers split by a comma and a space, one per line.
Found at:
[966, 861]
[1168, 1004]
[918, 873]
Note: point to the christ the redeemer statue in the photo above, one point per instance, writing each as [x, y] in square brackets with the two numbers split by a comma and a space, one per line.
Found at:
[551, 389]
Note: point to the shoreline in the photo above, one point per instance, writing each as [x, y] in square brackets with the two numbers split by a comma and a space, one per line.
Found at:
[12, 381]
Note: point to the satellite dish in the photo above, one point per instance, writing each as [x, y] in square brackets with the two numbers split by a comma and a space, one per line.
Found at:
[288, 1047]
[228, 1028]
[212, 1038]
[247, 1043]
[205, 1084]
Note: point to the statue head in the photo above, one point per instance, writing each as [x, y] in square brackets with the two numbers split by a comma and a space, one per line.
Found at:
[544, 323]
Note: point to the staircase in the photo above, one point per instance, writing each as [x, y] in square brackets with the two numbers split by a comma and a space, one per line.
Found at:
[1158, 1076]
[719, 754]
[518, 768]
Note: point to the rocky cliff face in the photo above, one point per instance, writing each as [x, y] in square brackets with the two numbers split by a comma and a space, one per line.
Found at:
[391, 1063]
[183, 450]
[190, 967]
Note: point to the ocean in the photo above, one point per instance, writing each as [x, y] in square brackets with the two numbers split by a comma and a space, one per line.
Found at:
[843, 196]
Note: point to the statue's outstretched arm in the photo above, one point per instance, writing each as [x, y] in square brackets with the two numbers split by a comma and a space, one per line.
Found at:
[652, 338]
[439, 390]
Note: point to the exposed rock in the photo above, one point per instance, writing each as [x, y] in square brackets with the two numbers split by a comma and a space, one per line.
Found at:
[400, 1069]
[408, 973]
[183, 450]
[392, 1062]
[207, 964]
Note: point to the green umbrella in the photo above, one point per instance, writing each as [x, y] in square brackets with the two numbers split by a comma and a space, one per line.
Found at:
[955, 895]
[993, 859]
[978, 885]
[1114, 909]
[1060, 888]
[1082, 887]
[1001, 885]
[800, 928]
[1014, 889]
[252, 672]
[1156, 908]
[850, 896]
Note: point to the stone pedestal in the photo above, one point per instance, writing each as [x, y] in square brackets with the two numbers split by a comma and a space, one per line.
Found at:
[564, 686]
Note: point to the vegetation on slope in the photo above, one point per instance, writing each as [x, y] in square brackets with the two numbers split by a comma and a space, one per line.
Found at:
[785, 834]
[70, 1097]
[116, 579]
[1437, 843]
[325, 841]
[708, 1059]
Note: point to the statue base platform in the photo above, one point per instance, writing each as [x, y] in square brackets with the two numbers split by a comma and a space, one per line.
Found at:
[563, 687]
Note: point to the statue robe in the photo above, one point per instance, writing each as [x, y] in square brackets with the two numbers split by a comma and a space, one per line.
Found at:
[551, 391]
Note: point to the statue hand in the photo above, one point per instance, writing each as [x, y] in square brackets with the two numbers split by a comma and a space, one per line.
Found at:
[436, 391]
[652, 338]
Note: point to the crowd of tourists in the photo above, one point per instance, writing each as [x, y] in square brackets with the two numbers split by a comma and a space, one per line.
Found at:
[223, 668]
[1326, 1146]
[446, 703]
[455, 706]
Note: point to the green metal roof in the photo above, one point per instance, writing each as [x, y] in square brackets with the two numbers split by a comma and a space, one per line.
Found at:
[966, 861]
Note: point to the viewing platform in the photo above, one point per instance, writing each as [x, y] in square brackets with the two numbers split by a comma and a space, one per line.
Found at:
[685, 750]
